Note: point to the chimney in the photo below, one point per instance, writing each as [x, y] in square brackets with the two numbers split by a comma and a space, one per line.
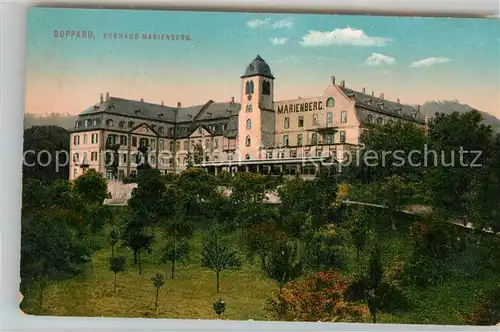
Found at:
[364, 90]
[101, 98]
[398, 101]
[232, 100]
[179, 105]
[342, 83]
[333, 80]
[107, 95]
[373, 93]
[162, 103]
[142, 100]
[382, 96]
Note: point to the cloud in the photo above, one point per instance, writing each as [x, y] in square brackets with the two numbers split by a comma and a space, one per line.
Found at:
[346, 36]
[257, 23]
[282, 24]
[429, 62]
[377, 59]
[278, 40]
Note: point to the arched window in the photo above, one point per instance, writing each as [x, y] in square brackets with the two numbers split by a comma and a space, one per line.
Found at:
[109, 122]
[121, 124]
[88, 122]
[249, 124]
[160, 130]
[96, 122]
[251, 87]
[330, 102]
[130, 124]
[248, 141]
[247, 157]
[249, 108]
[247, 87]
[370, 118]
[78, 124]
[266, 88]
[380, 120]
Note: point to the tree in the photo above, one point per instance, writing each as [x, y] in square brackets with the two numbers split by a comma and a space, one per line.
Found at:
[175, 251]
[91, 187]
[52, 248]
[158, 281]
[218, 257]
[113, 239]
[219, 307]
[135, 237]
[319, 297]
[196, 156]
[282, 264]
[396, 194]
[52, 165]
[262, 239]
[116, 264]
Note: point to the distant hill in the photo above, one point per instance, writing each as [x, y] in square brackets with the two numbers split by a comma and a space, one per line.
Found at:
[429, 108]
[65, 121]
[449, 106]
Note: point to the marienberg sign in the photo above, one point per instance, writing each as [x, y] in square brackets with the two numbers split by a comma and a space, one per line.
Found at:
[303, 107]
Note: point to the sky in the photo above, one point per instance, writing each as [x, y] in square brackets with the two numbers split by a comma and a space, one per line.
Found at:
[410, 58]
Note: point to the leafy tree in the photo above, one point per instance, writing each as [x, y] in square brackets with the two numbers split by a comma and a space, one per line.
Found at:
[136, 237]
[54, 140]
[196, 156]
[325, 249]
[113, 239]
[396, 194]
[52, 248]
[282, 264]
[219, 307]
[218, 257]
[149, 198]
[319, 297]
[143, 159]
[175, 251]
[91, 187]
[374, 290]
[263, 239]
[158, 281]
[116, 264]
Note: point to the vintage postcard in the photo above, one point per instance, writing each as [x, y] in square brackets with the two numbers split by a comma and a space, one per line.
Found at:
[266, 167]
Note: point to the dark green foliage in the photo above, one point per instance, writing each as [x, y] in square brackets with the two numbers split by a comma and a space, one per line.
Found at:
[175, 251]
[113, 239]
[143, 159]
[487, 311]
[91, 187]
[219, 307]
[116, 264]
[50, 139]
[218, 257]
[158, 282]
[283, 264]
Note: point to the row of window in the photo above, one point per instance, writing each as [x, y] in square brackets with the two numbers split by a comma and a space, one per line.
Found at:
[87, 123]
[329, 120]
[379, 120]
[328, 139]
[122, 139]
[94, 139]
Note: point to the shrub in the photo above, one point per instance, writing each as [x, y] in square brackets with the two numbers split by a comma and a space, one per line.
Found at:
[319, 297]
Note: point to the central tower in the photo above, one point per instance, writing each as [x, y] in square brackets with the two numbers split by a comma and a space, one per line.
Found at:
[256, 118]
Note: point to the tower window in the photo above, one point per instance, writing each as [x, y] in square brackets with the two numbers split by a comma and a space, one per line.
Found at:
[249, 87]
[248, 141]
[249, 108]
[249, 124]
[330, 102]
[266, 88]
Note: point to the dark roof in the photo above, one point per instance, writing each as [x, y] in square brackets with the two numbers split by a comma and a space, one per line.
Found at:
[258, 67]
[211, 115]
[366, 103]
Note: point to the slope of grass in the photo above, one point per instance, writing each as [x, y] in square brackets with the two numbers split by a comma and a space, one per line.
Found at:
[246, 290]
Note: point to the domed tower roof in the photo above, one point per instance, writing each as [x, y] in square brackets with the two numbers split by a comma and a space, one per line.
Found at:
[258, 67]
